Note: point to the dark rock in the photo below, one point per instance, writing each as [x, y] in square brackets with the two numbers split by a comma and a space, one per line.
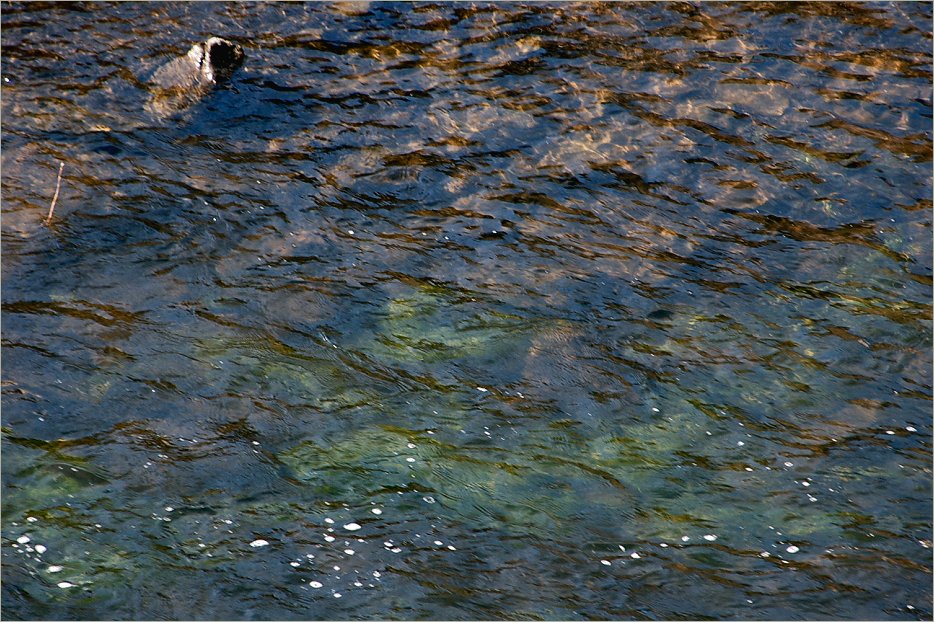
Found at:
[187, 79]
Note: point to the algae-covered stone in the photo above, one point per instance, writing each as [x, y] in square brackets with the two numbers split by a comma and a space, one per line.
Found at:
[267, 367]
[431, 324]
[42, 476]
[518, 492]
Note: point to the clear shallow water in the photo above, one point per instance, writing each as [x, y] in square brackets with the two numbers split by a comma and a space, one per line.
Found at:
[578, 311]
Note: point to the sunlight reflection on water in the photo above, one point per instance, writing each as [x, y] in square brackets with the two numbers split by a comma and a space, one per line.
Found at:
[469, 311]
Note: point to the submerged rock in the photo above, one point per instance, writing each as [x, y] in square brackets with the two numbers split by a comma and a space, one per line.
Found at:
[187, 79]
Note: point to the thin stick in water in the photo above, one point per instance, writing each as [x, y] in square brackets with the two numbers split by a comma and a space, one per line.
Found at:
[58, 184]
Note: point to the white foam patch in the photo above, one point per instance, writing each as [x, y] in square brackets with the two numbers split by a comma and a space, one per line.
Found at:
[258, 543]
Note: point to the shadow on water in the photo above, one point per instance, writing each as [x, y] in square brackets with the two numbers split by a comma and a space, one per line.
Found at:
[469, 311]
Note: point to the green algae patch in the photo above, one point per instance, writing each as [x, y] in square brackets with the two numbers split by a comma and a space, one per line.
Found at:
[433, 324]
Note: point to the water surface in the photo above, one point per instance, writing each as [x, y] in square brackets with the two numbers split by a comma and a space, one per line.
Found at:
[576, 310]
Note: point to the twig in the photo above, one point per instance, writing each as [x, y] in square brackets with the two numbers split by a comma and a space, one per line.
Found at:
[58, 184]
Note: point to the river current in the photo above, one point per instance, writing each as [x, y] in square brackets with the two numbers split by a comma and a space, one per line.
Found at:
[469, 311]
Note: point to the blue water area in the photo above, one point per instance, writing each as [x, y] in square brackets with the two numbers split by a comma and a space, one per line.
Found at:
[468, 311]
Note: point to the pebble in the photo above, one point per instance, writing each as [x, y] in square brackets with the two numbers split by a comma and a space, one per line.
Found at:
[65, 584]
[351, 526]
[315, 584]
[258, 543]
[792, 549]
[710, 537]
